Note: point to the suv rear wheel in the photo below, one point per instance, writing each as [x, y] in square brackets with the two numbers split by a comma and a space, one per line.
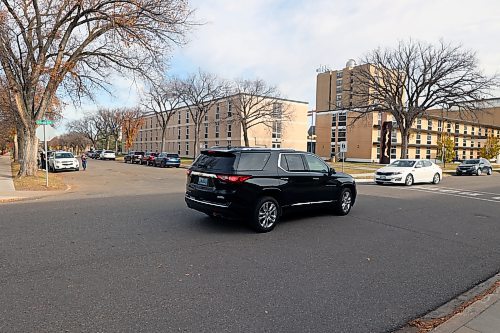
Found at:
[344, 204]
[266, 214]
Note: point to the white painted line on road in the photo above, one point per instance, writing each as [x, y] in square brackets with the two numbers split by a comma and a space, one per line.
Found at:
[429, 190]
[461, 189]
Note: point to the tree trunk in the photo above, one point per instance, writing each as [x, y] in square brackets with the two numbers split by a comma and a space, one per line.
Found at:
[16, 148]
[405, 138]
[196, 134]
[245, 134]
[163, 139]
[29, 152]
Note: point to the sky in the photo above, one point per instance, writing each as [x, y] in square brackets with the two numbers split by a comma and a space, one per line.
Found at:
[285, 42]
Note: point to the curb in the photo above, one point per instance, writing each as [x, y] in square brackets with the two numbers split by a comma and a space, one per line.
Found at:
[445, 312]
[43, 194]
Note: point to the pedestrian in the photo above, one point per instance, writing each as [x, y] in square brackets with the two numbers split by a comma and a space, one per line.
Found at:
[42, 160]
[84, 161]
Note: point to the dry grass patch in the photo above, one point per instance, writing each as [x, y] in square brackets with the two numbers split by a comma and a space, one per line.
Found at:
[37, 183]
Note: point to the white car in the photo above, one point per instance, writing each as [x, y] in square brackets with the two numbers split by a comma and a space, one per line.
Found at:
[408, 172]
[107, 155]
[63, 160]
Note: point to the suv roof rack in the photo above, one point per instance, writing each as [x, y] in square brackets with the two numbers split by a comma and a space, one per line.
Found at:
[233, 148]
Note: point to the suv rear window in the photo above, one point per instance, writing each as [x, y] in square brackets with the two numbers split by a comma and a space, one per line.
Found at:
[215, 161]
[173, 155]
[292, 162]
[253, 161]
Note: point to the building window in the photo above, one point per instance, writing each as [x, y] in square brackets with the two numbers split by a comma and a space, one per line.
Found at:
[393, 152]
[276, 134]
[187, 132]
[417, 152]
[187, 148]
[217, 143]
[463, 154]
[179, 148]
[339, 97]
[333, 135]
[178, 133]
[379, 118]
[338, 90]
[216, 130]
[206, 144]
[276, 145]
[332, 152]
[417, 140]
[339, 82]
[456, 141]
[187, 117]
[473, 131]
[472, 143]
[457, 128]
[419, 123]
[229, 128]
[229, 109]
[334, 120]
[179, 118]
[428, 154]
[206, 131]
[277, 112]
[448, 127]
[394, 135]
[342, 119]
[206, 116]
[440, 125]
[465, 129]
[378, 152]
[429, 139]
[341, 135]
[338, 104]
[339, 75]
[464, 142]
[217, 112]
[378, 135]
[429, 124]
[471, 154]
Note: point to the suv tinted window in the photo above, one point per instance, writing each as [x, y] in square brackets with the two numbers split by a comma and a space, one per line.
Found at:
[292, 162]
[173, 155]
[253, 161]
[215, 161]
[315, 164]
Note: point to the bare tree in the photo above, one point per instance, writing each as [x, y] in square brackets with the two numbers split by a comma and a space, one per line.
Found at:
[73, 141]
[86, 126]
[74, 45]
[256, 103]
[109, 123]
[163, 99]
[199, 93]
[131, 119]
[415, 77]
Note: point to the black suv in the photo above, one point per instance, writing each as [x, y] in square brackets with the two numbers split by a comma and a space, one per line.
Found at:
[258, 183]
[474, 167]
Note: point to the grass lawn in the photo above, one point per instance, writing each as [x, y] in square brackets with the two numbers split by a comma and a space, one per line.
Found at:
[37, 183]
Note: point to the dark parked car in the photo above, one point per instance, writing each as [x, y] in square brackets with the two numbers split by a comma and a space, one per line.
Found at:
[133, 157]
[97, 154]
[475, 167]
[261, 183]
[148, 158]
[167, 160]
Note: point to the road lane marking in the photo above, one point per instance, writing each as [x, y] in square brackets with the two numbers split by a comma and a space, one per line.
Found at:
[456, 193]
[461, 189]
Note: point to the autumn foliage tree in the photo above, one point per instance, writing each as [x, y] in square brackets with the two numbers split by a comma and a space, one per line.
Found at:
[132, 120]
[491, 148]
[71, 47]
[446, 148]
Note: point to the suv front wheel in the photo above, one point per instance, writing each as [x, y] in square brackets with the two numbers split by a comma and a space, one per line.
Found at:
[266, 214]
[344, 204]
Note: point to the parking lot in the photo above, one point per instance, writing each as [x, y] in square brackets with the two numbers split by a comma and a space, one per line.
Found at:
[120, 251]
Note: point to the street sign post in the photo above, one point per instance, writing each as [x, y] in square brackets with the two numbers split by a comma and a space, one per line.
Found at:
[45, 122]
[343, 150]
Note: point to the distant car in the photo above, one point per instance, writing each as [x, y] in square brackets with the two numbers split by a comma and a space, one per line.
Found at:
[408, 172]
[167, 160]
[133, 157]
[97, 154]
[63, 160]
[107, 155]
[148, 158]
[90, 153]
[476, 166]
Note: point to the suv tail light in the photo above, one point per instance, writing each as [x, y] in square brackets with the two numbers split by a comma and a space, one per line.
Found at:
[233, 178]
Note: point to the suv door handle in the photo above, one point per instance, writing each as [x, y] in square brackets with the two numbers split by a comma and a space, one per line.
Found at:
[284, 178]
[315, 178]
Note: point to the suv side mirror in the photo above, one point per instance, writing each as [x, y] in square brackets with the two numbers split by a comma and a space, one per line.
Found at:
[331, 171]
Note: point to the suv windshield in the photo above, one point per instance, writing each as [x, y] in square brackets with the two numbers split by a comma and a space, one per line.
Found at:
[215, 161]
[108, 151]
[63, 155]
[471, 162]
[173, 155]
[402, 164]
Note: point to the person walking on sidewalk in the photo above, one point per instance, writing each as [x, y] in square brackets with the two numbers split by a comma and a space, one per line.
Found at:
[84, 161]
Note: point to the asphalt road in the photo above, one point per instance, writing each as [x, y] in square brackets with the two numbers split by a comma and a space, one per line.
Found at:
[120, 252]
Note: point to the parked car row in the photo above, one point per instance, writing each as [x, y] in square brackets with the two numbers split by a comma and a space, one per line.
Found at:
[102, 154]
[161, 160]
[410, 171]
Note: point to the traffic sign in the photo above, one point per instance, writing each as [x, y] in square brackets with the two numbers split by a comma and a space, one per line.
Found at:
[44, 122]
[343, 147]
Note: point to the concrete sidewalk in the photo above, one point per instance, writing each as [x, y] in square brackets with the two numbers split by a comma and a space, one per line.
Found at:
[7, 189]
[483, 316]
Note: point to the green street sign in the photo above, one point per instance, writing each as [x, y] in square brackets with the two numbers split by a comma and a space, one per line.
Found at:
[44, 122]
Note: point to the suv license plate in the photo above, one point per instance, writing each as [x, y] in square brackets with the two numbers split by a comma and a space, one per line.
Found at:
[203, 181]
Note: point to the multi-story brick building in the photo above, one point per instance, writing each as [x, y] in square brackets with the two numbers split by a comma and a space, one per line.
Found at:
[334, 124]
[221, 128]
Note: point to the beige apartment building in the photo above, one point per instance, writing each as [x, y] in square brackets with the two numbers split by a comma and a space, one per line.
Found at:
[334, 124]
[221, 128]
